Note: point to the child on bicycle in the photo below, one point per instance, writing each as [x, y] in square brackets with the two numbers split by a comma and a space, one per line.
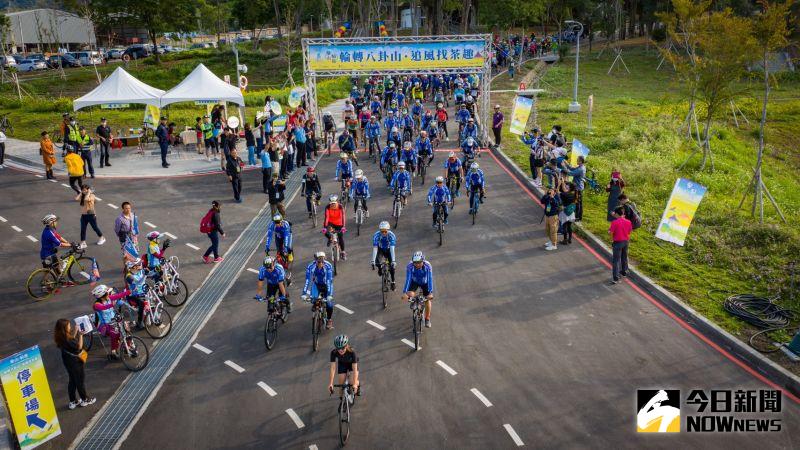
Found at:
[135, 279]
[106, 305]
[155, 253]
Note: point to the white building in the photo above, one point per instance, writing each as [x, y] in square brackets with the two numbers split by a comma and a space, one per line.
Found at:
[46, 29]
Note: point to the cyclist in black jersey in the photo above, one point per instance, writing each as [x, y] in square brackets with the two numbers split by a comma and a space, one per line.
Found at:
[344, 362]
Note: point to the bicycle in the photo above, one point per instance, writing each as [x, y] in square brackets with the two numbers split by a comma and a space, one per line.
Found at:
[440, 220]
[5, 125]
[475, 201]
[344, 195]
[452, 184]
[157, 321]
[422, 168]
[359, 199]
[329, 138]
[374, 149]
[133, 352]
[172, 288]
[319, 319]
[594, 186]
[44, 282]
[417, 308]
[336, 252]
[347, 399]
[407, 134]
[388, 172]
[386, 280]
[276, 311]
[283, 259]
[397, 206]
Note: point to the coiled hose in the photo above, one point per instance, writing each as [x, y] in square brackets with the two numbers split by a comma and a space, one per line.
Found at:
[763, 313]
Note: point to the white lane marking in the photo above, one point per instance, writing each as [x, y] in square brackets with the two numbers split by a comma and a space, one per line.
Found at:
[295, 418]
[205, 350]
[234, 366]
[54, 181]
[191, 246]
[267, 389]
[16, 228]
[409, 343]
[481, 397]
[33, 239]
[513, 435]
[66, 185]
[252, 270]
[39, 176]
[447, 368]
[313, 447]
[150, 225]
[376, 325]
[98, 198]
[3, 219]
[348, 311]
[85, 275]
[170, 235]
[112, 205]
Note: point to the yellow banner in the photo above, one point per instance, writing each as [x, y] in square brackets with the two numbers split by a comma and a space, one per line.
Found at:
[397, 56]
[151, 115]
[29, 400]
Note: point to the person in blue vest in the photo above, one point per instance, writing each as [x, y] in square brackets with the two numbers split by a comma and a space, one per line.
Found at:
[419, 275]
[275, 276]
[319, 282]
[439, 194]
[383, 245]
[359, 191]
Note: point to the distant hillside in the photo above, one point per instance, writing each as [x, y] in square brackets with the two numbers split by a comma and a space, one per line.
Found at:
[21, 5]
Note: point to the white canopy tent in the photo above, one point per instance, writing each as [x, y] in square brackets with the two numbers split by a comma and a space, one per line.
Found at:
[202, 85]
[120, 87]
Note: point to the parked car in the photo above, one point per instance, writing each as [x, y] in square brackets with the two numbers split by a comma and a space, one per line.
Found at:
[8, 61]
[202, 45]
[65, 60]
[87, 58]
[37, 56]
[29, 65]
[115, 53]
[137, 51]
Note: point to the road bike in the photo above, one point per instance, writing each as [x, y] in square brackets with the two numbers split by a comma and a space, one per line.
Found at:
[397, 206]
[319, 319]
[157, 320]
[283, 259]
[5, 125]
[407, 134]
[374, 149]
[359, 199]
[452, 186]
[336, 251]
[386, 280]
[329, 138]
[347, 399]
[422, 168]
[344, 195]
[417, 308]
[133, 352]
[171, 287]
[388, 172]
[440, 206]
[73, 268]
[276, 313]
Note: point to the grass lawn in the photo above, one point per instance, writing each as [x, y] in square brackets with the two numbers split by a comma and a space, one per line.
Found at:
[50, 95]
[635, 123]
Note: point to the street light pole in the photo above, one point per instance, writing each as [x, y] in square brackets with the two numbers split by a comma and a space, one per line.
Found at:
[575, 106]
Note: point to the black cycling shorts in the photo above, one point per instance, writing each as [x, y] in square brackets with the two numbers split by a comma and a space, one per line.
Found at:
[414, 286]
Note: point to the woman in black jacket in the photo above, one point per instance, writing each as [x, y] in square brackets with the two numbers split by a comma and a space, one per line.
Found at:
[71, 344]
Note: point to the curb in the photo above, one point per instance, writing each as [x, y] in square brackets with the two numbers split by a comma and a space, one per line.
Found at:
[740, 353]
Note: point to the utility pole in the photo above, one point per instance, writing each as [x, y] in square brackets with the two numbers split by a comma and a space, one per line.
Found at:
[414, 19]
[575, 106]
[239, 81]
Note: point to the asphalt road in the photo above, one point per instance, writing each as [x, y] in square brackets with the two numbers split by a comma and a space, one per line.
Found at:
[539, 335]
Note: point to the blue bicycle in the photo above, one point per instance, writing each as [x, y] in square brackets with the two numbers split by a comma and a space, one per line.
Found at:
[475, 202]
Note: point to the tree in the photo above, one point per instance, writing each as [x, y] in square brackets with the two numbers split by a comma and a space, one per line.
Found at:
[497, 14]
[771, 32]
[252, 15]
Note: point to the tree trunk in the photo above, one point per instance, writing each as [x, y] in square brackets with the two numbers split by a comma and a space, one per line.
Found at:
[758, 195]
[465, 16]
[155, 45]
[707, 143]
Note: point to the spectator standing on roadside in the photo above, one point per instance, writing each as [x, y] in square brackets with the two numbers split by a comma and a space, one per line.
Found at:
[71, 134]
[511, 68]
[497, 125]
[209, 140]
[266, 170]
[233, 168]
[2, 149]
[615, 187]
[311, 141]
[250, 142]
[215, 233]
[70, 342]
[551, 203]
[48, 153]
[88, 217]
[104, 137]
[198, 129]
[75, 171]
[162, 133]
[620, 231]
[275, 190]
[300, 140]
[567, 214]
[536, 156]
[578, 174]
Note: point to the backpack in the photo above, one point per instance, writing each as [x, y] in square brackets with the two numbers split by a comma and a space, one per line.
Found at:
[205, 224]
[636, 218]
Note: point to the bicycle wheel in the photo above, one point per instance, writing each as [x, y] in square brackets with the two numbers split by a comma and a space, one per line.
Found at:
[385, 286]
[417, 325]
[335, 258]
[422, 170]
[178, 295]
[79, 270]
[134, 354]
[440, 230]
[396, 213]
[270, 332]
[359, 221]
[316, 328]
[159, 324]
[41, 284]
[344, 421]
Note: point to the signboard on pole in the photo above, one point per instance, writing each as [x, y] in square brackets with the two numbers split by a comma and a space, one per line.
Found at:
[519, 117]
[27, 394]
[679, 213]
[397, 55]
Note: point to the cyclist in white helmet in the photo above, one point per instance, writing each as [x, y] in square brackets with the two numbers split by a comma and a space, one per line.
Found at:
[383, 244]
[419, 275]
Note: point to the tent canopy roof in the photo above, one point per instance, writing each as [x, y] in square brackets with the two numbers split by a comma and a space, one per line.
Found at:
[202, 84]
[120, 87]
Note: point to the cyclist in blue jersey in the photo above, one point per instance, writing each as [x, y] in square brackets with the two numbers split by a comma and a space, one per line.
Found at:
[453, 168]
[275, 276]
[135, 279]
[347, 145]
[388, 156]
[376, 107]
[469, 149]
[400, 98]
[50, 243]
[393, 110]
[408, 123]
[459, 95]
[409, 156]
[427, 119]
[389, 122]
[470, 130]
[155, 252]
[416, 113]
[281, 230]
[401, 181]
[344, 169]
[439, 193]
[475, 183]
[462, 116]
[419, 275]
[319, 281]
[359, 191]
[424, 149]
[373, 134]
[383, 244]
[394, 137]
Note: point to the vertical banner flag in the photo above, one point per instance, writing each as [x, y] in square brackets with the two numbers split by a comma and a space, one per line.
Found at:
[519, 117]
[682, 204]
[151, 115]
[28, 396]
[578, 149]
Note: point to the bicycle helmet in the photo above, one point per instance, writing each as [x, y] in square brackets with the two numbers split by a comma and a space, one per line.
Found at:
[319, 255]
[474, 166]
[132, 264]
[343, 155]
[359, 174]
[49, 219]
[269, 261]
[153, 235]
[470, 141]
[100, 291]
[440, 179]
[341, 341]
[310, 170]
[452, 155]
[384, 226]
[333, 198]
[408, 144]
[423, 133]
[470, 120]
[401, 165]
[392, 144]
[394, 129]
[418, 257]
[277, 218]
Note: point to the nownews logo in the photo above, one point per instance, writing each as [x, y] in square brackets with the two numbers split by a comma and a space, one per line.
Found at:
[716, 411]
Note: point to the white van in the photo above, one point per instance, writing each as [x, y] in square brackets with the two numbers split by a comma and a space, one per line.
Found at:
[88, 58]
